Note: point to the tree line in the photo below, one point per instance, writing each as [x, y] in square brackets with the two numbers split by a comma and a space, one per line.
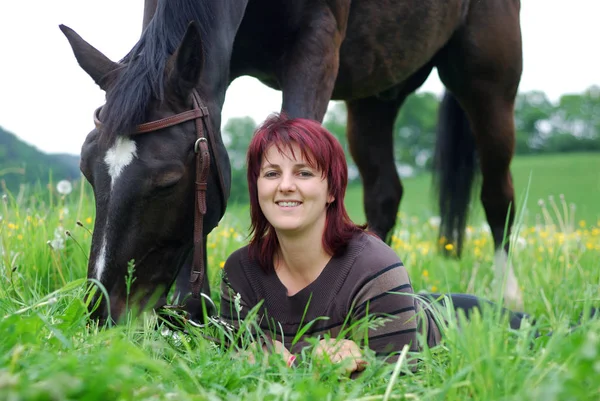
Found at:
[571, 124]
[21, 163]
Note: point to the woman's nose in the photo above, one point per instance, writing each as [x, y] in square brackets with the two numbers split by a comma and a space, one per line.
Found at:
[287, 183]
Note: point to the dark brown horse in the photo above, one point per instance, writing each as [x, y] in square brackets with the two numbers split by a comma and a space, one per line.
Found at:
[370, 53]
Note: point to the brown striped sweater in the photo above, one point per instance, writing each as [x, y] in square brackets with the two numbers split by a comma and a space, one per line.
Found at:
[368, 279]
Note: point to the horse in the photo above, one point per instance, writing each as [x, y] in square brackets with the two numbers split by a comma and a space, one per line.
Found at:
[370, 54]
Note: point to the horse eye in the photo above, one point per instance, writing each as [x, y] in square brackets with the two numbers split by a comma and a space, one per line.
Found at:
[168, 180]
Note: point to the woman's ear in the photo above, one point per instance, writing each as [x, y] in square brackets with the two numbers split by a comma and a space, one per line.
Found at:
[330, 199]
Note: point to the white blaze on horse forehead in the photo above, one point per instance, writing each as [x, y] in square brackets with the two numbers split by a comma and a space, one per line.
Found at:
[119, 156]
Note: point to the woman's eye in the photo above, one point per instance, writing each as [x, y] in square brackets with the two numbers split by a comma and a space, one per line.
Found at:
[270, 174]
[306, 174]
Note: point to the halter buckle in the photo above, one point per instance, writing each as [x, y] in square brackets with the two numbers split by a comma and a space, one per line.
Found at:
[197, 144]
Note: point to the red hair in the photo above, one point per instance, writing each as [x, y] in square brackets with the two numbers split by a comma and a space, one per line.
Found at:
[322, 151]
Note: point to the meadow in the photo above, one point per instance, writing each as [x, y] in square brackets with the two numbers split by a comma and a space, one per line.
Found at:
[49, 351]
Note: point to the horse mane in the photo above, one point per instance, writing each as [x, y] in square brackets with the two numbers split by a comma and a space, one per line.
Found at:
[142, 77]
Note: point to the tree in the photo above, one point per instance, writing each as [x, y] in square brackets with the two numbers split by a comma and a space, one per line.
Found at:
[415, 130]
[237, 134]
[533, 113]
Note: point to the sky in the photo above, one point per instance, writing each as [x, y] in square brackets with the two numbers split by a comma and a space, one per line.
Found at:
[47, 100]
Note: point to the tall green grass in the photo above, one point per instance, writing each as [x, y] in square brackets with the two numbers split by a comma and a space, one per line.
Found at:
[50, 351]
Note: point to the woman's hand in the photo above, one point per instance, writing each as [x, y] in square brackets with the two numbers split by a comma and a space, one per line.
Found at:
[341, 351]
[277, 347]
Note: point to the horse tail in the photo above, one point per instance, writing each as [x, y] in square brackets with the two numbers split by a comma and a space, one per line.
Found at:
[455, 168]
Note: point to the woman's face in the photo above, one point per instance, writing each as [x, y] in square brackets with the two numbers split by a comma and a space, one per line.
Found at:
[292, 195]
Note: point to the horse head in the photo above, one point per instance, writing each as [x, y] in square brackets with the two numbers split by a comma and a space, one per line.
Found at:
[143, 165]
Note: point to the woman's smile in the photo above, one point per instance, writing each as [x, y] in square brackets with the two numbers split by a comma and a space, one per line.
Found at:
[288, 204]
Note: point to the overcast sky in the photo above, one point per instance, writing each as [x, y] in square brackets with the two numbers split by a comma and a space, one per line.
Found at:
[48, 101]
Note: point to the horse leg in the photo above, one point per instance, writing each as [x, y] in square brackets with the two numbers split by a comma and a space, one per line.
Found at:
[310, 66]
[149, 10]
[481, 65]
[370, 127]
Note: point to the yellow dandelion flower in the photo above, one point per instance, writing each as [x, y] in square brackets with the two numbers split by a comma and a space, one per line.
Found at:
[582, 223]
[88, 220]
[222, 264]
[20, 237]
[449, 247]
[433, 288]
[425, 273]
[589, 245]
[12, 226]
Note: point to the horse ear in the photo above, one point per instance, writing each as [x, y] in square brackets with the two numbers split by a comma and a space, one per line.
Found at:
[188, 62]
[96, 64]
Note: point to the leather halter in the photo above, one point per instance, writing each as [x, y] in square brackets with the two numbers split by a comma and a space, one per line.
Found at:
[201, 147]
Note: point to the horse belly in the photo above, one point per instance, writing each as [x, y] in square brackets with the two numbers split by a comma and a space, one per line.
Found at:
[389, 40]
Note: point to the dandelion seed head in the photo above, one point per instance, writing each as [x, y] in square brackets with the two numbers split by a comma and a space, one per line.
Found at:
[64, 187]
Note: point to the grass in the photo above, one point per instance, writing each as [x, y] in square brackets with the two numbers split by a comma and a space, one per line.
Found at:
[48, 351]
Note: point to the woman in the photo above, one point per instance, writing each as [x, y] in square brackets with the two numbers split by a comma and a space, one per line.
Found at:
[307, 260]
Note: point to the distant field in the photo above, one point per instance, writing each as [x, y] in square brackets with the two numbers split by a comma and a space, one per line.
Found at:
[577, 176]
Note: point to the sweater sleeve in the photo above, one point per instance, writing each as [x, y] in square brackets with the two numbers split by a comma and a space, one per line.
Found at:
[384, 308]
